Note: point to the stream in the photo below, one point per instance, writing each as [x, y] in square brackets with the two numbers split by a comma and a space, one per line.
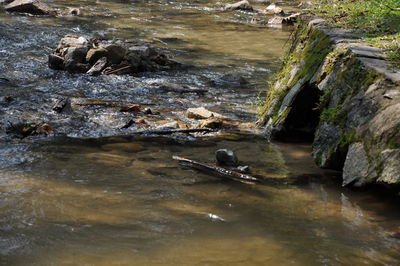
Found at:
[99, 195]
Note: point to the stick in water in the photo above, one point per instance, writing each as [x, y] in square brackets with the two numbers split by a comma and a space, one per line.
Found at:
[217, 170]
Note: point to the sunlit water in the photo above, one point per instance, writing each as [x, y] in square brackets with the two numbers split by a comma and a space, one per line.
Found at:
[124, 201]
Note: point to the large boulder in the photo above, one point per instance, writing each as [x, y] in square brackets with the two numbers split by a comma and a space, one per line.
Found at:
[115, 53]
[34, 7]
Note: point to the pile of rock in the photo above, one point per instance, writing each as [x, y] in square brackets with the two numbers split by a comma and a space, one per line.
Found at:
[80, 55]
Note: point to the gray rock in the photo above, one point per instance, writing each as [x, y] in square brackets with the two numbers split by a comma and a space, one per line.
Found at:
[116, 53]
[77, 54]
[94, 54]
[325, 143]
[242, 5]
[5, 2]
[357, 167]
[200, 113]
[226, 157]
[98, 67]
[231, 79]
[391, 166]
[34, 7]
[56, 62]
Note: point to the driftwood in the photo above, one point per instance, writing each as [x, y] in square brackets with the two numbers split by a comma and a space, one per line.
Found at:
[223, 172]
[172, 131]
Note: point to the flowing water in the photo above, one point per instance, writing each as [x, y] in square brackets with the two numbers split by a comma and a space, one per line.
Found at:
[80, 200]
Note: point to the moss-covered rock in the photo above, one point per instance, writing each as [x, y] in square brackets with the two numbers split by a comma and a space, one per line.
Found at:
[339, 92]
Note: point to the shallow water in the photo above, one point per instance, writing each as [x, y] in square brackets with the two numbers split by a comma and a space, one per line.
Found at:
[124, 201]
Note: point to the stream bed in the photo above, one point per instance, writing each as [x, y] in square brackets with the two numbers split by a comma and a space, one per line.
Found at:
[95, 195]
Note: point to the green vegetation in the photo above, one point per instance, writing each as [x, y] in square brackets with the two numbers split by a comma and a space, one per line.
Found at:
[377, 20]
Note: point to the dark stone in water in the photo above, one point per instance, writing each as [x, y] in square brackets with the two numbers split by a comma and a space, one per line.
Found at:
[56, 62]
[63, 106]
[77, 54]
[73, 66]
[231, 79]
[226, 157]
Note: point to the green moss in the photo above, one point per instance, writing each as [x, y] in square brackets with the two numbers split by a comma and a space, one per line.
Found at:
[347, 138]
[309, 48]
[334, 115]
[280, 116]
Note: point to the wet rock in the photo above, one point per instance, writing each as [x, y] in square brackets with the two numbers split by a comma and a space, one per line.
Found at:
[73, 66]
[289, 20]
[273, 9]
[62, 106]
[8, 99]
[132, 108]
[74, 12]
[231, 79]
[98, 67]
[226, 157]
[5, 2]
[242, 5]
[115, 53]
[243, 169]
[200, 113]
[94, 54]
[147, 111]
[77, 54]
[24, 129]
[56, 62]
[212, 122]
[34, 7]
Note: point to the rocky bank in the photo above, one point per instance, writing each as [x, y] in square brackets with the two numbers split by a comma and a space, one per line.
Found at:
[343, 95]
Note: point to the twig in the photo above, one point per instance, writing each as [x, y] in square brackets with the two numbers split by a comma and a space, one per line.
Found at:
[105, 72]
[223, 172]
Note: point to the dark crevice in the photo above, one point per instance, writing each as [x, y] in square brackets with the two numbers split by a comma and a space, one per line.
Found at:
[303, 118]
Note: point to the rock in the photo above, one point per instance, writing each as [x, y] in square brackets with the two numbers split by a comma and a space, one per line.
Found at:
[71, 41]
[132, 108]
[231, 79]
[44, 129]
[390, 166]
[5, 2]
[169, 125]
[200, 113]
[115, 53]
[226, 157]
[147, 111]
[63, 106]
[356, 167]
[289, 20]
[98, 67]
[212, 122]
[273, 9]
[56, 62]
[305, 4]
[73, 66]
[74, 12]
[242, 5]
[77, 54]
[94, 54]
[34, 7]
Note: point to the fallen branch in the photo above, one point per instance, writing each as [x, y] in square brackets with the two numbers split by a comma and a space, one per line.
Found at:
[172, 131]
[223, 172]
